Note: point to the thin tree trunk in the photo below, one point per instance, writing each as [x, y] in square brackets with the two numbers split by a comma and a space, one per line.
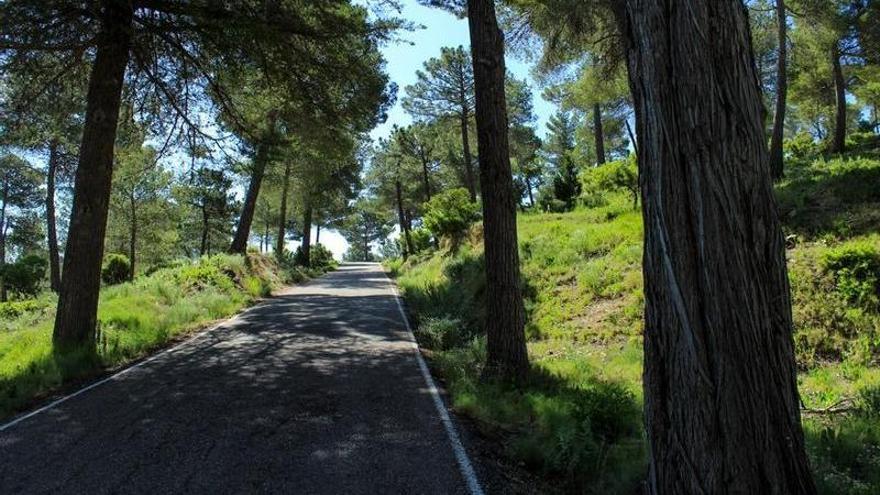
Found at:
[203, 247]
[3, 295]
[720, 383]
[282, 224]
[51, 229]
[243, 231]
[838, 143]
[468, 159]
[777, 165]
[76, 316]
[632, 137]
[307, 236]
[404, 229]
[318, 233]
[132, 239]
[505, 316]
[599, 134]
[426, 178]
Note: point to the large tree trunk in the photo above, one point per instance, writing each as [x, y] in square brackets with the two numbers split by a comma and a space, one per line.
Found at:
[243, 231]
[505, 316]
[838, 143]
[466, 147]
[599, 134]
[720, 383]
[776, 159]
[51, 228]
[77, 312]
[282, 223]
[404, 226]
[307, 237]
[132, 238]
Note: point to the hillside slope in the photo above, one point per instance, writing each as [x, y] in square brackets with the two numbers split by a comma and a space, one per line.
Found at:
[578, 420]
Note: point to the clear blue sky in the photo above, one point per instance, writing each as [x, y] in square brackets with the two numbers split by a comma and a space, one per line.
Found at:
[440, 29]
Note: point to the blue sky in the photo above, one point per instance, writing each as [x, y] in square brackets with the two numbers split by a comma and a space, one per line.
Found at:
[440, 29]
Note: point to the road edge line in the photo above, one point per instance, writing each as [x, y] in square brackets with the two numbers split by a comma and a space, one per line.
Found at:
[146, 360]
[461, 456]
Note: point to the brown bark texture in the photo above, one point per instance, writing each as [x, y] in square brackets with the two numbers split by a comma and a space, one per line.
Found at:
[720, 383]
[243, 231]
[51, 225]
[777, 166]
[505, 316]
[76, 317]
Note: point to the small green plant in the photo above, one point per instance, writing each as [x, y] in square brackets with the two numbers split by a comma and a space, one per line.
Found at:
[25, 276]
[856, 269]
[450, 213]
[619, 175]
[116, 270]
[441, 334]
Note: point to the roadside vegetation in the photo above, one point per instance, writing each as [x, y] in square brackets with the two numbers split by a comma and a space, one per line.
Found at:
[578, 417]
[134, 318]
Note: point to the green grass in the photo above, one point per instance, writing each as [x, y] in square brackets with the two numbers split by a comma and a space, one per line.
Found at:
[134, 319]
[583, 295]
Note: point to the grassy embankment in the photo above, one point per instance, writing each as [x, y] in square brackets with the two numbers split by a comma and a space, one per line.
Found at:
[134, 319]
[578, 419]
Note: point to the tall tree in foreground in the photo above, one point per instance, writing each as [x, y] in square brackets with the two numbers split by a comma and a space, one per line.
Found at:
[721, 401]
[776, 156]
[507, 358]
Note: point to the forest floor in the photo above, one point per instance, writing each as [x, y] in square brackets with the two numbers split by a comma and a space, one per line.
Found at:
[578, 419]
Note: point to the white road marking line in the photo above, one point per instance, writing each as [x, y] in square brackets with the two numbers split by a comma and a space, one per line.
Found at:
[464, 463]
[85, 389]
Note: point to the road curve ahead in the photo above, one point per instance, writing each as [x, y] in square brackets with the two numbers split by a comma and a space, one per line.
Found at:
[315, 391]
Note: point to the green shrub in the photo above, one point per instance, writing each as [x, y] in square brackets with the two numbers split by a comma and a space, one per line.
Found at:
[25, 276]
[450, 213]
[116, 270]
[441, 334]
[619, 175]
[206, 273]
[856, 269]
[320, 257]
[869, 401]
[14, 309]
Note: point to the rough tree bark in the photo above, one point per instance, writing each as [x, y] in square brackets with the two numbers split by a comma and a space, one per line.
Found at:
[466, 147]
[282, 223]
[81, 281]
[776, 160]
[505, 316]
[404, 225]
[51, 228]
[306, 247]
[838, 142]
[243, 231]
[599, 134]
[721, 402]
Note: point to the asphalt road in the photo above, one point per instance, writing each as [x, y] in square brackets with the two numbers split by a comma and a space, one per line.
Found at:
[318, 390]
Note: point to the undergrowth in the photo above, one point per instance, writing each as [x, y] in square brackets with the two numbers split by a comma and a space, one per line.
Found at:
[577, 419]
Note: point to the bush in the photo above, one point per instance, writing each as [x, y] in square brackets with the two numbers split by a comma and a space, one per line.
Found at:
[450, 213]
[24, 277]
[14, 309]
[116, 270]
[441, 334]
[320, 257]
[619, 175]
[856, 269]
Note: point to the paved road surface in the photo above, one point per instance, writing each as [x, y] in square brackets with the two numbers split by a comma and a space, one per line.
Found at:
[316, 391]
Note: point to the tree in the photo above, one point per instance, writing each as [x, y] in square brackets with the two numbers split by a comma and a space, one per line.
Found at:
[776, 156]
[177, 50]
[19, 192]
[560, 149]
[450, 213]
[363, 227]
[209, 205]
[506, 358]
[446, 89]
[720, 379]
